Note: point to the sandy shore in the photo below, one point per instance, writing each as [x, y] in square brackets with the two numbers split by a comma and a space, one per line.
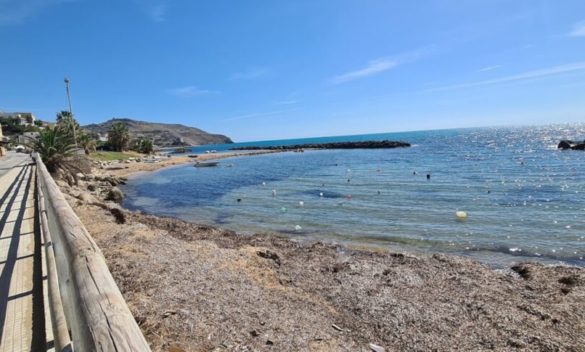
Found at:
[133, 168]
[200, 288]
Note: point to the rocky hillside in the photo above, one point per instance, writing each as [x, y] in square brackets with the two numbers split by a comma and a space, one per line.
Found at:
[164, 135]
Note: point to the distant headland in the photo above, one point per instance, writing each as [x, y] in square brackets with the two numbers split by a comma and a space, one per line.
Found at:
[164, 135]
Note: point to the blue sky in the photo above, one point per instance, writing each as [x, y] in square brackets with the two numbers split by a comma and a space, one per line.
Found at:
[282, 69]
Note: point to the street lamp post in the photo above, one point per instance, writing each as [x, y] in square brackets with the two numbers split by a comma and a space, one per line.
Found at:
[70, 111]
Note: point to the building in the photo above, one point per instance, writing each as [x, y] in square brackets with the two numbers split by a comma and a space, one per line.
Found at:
[22, 118]
[3, 142]
[27, 137]
[102, 137]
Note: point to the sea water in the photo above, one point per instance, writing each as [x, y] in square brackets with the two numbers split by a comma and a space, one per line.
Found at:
[524, 199]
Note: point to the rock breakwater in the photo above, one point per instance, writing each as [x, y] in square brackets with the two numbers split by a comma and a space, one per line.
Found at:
[336, 145]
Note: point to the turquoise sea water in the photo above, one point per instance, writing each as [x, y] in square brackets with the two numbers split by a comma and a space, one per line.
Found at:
[524, 198]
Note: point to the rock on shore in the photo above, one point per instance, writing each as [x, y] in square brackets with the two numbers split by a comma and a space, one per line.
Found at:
[569, 144]
[338, 145]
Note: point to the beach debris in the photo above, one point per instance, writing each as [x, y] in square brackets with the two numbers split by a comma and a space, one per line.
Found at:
[267, 254]
[283, 209]
[274, 193]
[239, 200]
[461, 215]
[175, 348]
[301, 204]
[336, 327]
[168, 313]
[115, 195]
[119, 215]
[428, 176]
[348, 197]
[378, 192]
[298, 228]
[376, 348]
[524, 270]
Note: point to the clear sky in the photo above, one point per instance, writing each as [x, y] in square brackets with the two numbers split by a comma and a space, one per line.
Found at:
[282, 69]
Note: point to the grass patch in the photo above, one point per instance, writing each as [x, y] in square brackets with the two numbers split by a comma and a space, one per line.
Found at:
[109, 156]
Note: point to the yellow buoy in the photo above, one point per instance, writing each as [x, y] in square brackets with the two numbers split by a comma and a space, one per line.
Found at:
[461, 215]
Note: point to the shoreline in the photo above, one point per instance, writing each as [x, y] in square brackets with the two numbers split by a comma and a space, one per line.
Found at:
[195, 287]
[133, 169]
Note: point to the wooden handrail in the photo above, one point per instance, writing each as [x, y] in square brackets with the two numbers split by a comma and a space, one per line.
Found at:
[61, 338]
[95, 310]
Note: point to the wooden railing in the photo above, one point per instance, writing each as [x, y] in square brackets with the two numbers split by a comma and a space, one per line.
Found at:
[87, 309]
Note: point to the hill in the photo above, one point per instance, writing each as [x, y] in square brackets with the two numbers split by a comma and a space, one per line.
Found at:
[164, 135]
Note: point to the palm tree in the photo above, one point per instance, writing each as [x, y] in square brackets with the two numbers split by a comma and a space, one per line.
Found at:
[68, 125]
[145, 146]
[63, 115]
[87, 142]
[53, 147]
[118, 136]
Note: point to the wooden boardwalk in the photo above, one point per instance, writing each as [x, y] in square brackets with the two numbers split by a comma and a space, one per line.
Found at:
[22, 301]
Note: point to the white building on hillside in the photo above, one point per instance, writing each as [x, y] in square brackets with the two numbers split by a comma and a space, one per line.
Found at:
[23, 118]
[102, 137]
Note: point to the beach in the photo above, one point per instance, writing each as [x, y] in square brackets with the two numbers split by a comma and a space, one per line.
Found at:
[123, 169]
[203, 288]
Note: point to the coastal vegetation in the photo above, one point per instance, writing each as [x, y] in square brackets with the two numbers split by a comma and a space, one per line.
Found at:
[118, 136]
[143, 145]
[54, 147]
[58, 145]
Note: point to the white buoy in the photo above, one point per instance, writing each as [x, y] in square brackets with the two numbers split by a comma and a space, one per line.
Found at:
[283, 209]
[461, 215]
[263, 183]
[301, 204]
[298, 228]
[321, 194]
